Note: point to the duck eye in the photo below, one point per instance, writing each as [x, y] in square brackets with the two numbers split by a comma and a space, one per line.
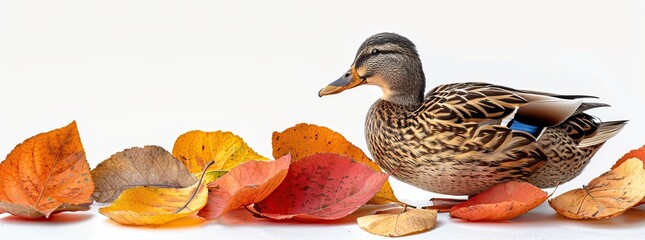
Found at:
[375, 51]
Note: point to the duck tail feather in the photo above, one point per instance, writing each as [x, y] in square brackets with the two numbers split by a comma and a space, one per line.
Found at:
[563, 96]
[589, 105]
[605, 131]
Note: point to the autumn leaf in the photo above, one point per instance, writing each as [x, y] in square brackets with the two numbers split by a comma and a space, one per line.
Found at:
[148, 166]
[323, 186]
[211, 176]
[45, 174]
[196, 148]
[154, 205]
[606, 196]
[636, 153]
[248, 183]
[501, 202]
[399, 222]
[305, 140]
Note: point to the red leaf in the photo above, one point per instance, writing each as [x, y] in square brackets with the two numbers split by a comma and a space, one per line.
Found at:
[500, 202]
[247, 183]
[323, 186]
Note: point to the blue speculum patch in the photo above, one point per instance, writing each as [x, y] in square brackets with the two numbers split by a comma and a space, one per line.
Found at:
[520, 126]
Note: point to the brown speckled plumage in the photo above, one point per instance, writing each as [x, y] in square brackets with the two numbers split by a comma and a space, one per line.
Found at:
[453, 140]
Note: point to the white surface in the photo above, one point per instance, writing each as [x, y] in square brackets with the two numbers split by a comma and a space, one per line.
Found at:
[136, 73]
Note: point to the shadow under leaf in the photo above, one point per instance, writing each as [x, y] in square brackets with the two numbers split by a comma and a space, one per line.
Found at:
[59, 218]
[243, 217]
[192, 221]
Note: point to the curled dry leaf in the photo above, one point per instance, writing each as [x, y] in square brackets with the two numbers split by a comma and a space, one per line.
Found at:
[45, 174]
[304, 140]
[154, 206]
[636, 153]
[248, 183]
[148, 166]
[501, 202]
[606, 196]
[197, 148]
[400, 222]
[323, 186]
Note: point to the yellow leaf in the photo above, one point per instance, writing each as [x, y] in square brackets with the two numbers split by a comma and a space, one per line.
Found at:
[396, 223]
[155, 206]
[196, 148]
[304, 140]
[606, 196]
[211, 176]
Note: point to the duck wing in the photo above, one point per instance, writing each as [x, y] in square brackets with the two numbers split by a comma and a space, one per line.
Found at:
[470, 102]
[483, 102]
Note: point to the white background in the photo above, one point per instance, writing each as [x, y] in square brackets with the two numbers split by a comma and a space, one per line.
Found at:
[135, 73]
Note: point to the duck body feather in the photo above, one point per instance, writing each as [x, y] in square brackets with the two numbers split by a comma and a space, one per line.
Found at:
[455, 143]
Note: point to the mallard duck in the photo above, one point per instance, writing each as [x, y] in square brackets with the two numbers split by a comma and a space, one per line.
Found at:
[463, 138]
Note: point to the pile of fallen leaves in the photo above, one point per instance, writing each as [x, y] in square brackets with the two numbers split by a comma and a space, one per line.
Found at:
[316, 175]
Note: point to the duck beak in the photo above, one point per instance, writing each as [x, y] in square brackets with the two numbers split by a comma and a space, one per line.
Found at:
[349, 80]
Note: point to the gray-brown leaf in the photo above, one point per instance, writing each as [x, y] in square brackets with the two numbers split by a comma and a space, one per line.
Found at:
[147, 166]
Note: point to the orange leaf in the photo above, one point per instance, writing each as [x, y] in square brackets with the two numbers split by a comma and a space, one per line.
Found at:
[636, 153]
[324, 186]
[606, 196]
[248, 183]
[154, 206]
[304, 140]
[45, 174]
[196, 148]
[501, 202]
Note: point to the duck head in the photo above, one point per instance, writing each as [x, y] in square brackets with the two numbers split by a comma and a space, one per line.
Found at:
[389, 61]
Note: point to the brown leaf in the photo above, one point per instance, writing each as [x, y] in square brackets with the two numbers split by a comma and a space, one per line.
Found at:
[45, 174]
[501, 202]
[606, 196]
[148, 166]
[401, 223]
[304, 140]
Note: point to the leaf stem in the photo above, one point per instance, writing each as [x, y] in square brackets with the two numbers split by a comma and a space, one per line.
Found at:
[592, 198]
[51, 170]
[201, 180]
[556, 189]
